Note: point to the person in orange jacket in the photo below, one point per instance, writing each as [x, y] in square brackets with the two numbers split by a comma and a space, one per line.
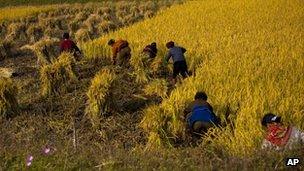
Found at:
[121, 52]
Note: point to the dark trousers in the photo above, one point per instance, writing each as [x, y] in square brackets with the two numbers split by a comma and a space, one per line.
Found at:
[180, 67]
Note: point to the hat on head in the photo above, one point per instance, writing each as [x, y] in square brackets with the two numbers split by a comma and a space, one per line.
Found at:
[111, 41]
[170, 44]
[270, 118]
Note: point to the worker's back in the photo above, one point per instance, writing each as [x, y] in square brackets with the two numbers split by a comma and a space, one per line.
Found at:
[120, 44]
[177, 53]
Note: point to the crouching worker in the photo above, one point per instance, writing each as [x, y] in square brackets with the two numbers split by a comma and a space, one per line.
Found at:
[279, 136]
[67, 45]
[151, 50]
[200, 116]
[121, 52]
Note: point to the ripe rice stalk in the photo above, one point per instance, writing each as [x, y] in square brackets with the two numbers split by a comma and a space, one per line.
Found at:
[41, 50]
[8, 101]
[106, 26]
[98, 95]
[140, 71]
[91, 22]
[16, 31]
[34, 33]
[56, 76]
[82, 35]
[157, 87]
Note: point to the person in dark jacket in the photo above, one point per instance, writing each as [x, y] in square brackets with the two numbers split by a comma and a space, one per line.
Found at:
[151, 50]
[67, 45]
[199, 114]
[179, 61]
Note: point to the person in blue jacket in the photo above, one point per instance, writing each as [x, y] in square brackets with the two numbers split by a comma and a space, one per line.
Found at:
[200, 116]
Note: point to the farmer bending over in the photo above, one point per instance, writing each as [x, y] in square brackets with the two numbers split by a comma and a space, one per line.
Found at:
[67, 45]
[279, 136]
[151, 50]
[179, 61]
[121, 52]
[200, 116]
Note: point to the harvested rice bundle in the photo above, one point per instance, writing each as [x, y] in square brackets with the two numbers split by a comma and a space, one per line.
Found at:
[42, 16]
[107, 17]
[42, 49]
[92, 21]
[34, 33]
[3, 29]
[16, 31]
[106, 26]
[157, 87]
[149, 14]
[80, 16]
[7, 72]
[82, 35]
[53, 32]
[56, 76]
[103, 10]
[5, 49]
[8, 101]
[73, 26]
[98, 93]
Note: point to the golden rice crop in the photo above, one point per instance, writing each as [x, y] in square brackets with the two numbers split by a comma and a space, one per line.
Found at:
[8, 101]
[55, 77]
[98, 93]
[140, 69]
[247, 54]
[11, 13]
[157, 87]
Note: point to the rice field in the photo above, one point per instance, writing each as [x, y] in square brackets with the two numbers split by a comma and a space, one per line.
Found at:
[247, 56]
[5, 3]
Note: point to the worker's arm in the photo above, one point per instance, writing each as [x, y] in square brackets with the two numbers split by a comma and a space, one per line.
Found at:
[210, 107]
[74, 46]
[188, 110]
[168, 56]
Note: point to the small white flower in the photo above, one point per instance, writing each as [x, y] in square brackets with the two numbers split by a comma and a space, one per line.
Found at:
[47, 150]
[30, 158]
[28, 163]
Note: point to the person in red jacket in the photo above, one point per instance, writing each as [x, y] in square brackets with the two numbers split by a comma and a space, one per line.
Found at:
[67, 45]
[279, 136]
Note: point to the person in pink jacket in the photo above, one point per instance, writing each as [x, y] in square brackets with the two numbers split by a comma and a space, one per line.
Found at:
[279, 136]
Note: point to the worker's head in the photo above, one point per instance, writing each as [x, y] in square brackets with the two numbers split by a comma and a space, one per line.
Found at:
[65, 35]
[170, 44]
[201, 96]
[153, 44]
[111, 42]
[270, 118]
